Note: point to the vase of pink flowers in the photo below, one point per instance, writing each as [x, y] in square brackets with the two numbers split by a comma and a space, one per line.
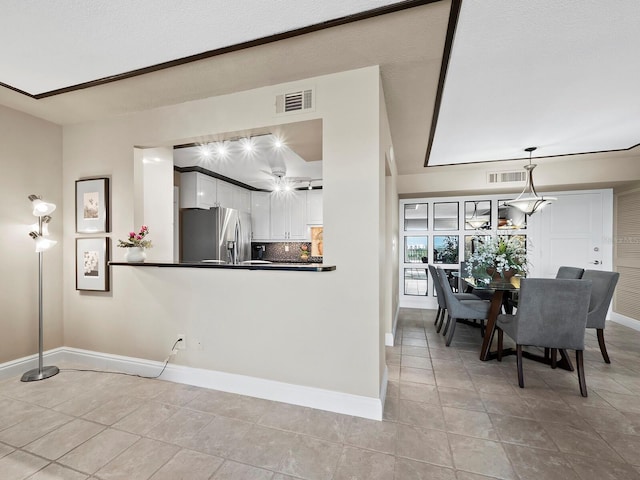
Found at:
[304, 252]
[135, 245]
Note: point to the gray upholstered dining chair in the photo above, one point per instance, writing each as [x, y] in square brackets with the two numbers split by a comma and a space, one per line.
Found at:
[570, 272]
[460, 309]
[604, 284]
[442, 304]
[552, 313]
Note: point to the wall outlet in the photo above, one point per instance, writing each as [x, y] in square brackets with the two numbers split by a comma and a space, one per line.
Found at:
[183, 344]
[286, 248]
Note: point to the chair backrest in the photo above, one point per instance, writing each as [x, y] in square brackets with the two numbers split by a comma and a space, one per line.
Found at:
[445, 287]
[604, 284]
[553, 312]
[442, 303]
[570, 272]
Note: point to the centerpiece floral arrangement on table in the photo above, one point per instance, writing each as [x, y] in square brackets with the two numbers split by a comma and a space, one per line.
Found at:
[502, 256]
[135, 245]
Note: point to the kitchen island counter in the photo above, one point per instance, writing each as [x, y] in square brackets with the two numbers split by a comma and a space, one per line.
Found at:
[292, 267]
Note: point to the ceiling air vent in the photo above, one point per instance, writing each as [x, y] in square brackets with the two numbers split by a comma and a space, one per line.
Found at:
[300, 101]
[507, 177]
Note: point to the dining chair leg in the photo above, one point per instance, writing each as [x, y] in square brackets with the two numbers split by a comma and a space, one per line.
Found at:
[580, 367]
[446, 325]
[554, 358]
[435, 322]
[603, 347]
[500, 341]
[452, 327]
[441, 322]
[519, 362]
[482, 327]
[547, 353]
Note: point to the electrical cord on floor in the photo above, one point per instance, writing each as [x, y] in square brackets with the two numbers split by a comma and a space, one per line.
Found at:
[166, 362]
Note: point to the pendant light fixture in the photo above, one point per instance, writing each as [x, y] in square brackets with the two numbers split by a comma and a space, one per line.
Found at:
[475, 221]
[529, 201]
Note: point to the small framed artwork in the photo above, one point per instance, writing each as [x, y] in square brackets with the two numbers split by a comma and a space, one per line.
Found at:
[92, 205]
[92, 255]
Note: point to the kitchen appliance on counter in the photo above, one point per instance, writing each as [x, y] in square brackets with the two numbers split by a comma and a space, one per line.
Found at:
[219, 234]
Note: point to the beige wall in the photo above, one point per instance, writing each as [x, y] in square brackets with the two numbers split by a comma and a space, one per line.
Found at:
[626, 258]
[316, 329]
[31, 159]
[562, 173]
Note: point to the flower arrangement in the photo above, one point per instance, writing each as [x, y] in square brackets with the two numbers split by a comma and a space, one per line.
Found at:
[136, 239]
[304, 251]
[502, 254]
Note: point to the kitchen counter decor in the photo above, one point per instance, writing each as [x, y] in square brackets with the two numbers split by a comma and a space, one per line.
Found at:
[135, 245]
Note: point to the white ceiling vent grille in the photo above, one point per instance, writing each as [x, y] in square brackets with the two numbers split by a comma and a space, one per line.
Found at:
[507, 177]
[301, 101]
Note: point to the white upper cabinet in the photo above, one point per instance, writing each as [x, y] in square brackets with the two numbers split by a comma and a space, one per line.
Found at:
[314, 207]
[225, 194]
[260, 215]
[242, 199]
[288, 215]
[197, 190]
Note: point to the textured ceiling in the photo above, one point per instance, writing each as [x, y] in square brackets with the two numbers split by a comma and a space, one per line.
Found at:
[562, 76]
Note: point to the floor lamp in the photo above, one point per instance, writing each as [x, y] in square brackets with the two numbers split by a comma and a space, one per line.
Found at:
[41, 210]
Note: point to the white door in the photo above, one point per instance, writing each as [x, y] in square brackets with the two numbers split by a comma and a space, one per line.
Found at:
[576, 231]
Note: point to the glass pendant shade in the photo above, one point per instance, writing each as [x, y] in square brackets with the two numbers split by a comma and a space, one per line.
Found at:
[529, 202]
[475, 221]
[42, 243]
[41, 208]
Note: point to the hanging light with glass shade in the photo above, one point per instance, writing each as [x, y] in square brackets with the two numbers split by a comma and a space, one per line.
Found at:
[475, 221]
[529, 201]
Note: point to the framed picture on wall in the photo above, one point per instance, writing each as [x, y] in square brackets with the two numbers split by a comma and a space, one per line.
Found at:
[92, 255]
[92, 205]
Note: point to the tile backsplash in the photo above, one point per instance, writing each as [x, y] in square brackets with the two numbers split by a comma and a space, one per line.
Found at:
[276, 252]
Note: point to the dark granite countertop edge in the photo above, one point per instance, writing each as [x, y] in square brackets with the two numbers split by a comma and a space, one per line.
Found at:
[291, 267]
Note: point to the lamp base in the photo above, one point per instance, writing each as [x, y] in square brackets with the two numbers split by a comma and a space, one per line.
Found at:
[36, 374]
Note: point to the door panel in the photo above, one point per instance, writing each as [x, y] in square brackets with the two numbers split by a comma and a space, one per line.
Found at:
[572, 233]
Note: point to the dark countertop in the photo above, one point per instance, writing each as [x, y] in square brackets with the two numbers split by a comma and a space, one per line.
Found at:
[291, 267]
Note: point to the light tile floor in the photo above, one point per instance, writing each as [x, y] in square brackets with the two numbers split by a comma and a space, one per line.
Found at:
[448, 416]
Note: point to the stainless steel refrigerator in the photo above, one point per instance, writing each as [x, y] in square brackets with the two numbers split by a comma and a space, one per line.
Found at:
[220, 234]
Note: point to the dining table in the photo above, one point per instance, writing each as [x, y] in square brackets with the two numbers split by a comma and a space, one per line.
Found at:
[504, 291]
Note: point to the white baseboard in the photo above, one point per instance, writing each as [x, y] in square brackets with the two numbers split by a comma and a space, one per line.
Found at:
[332, 401]
[626, 321]
[17, 367]
[389, 338]
[383, 387]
